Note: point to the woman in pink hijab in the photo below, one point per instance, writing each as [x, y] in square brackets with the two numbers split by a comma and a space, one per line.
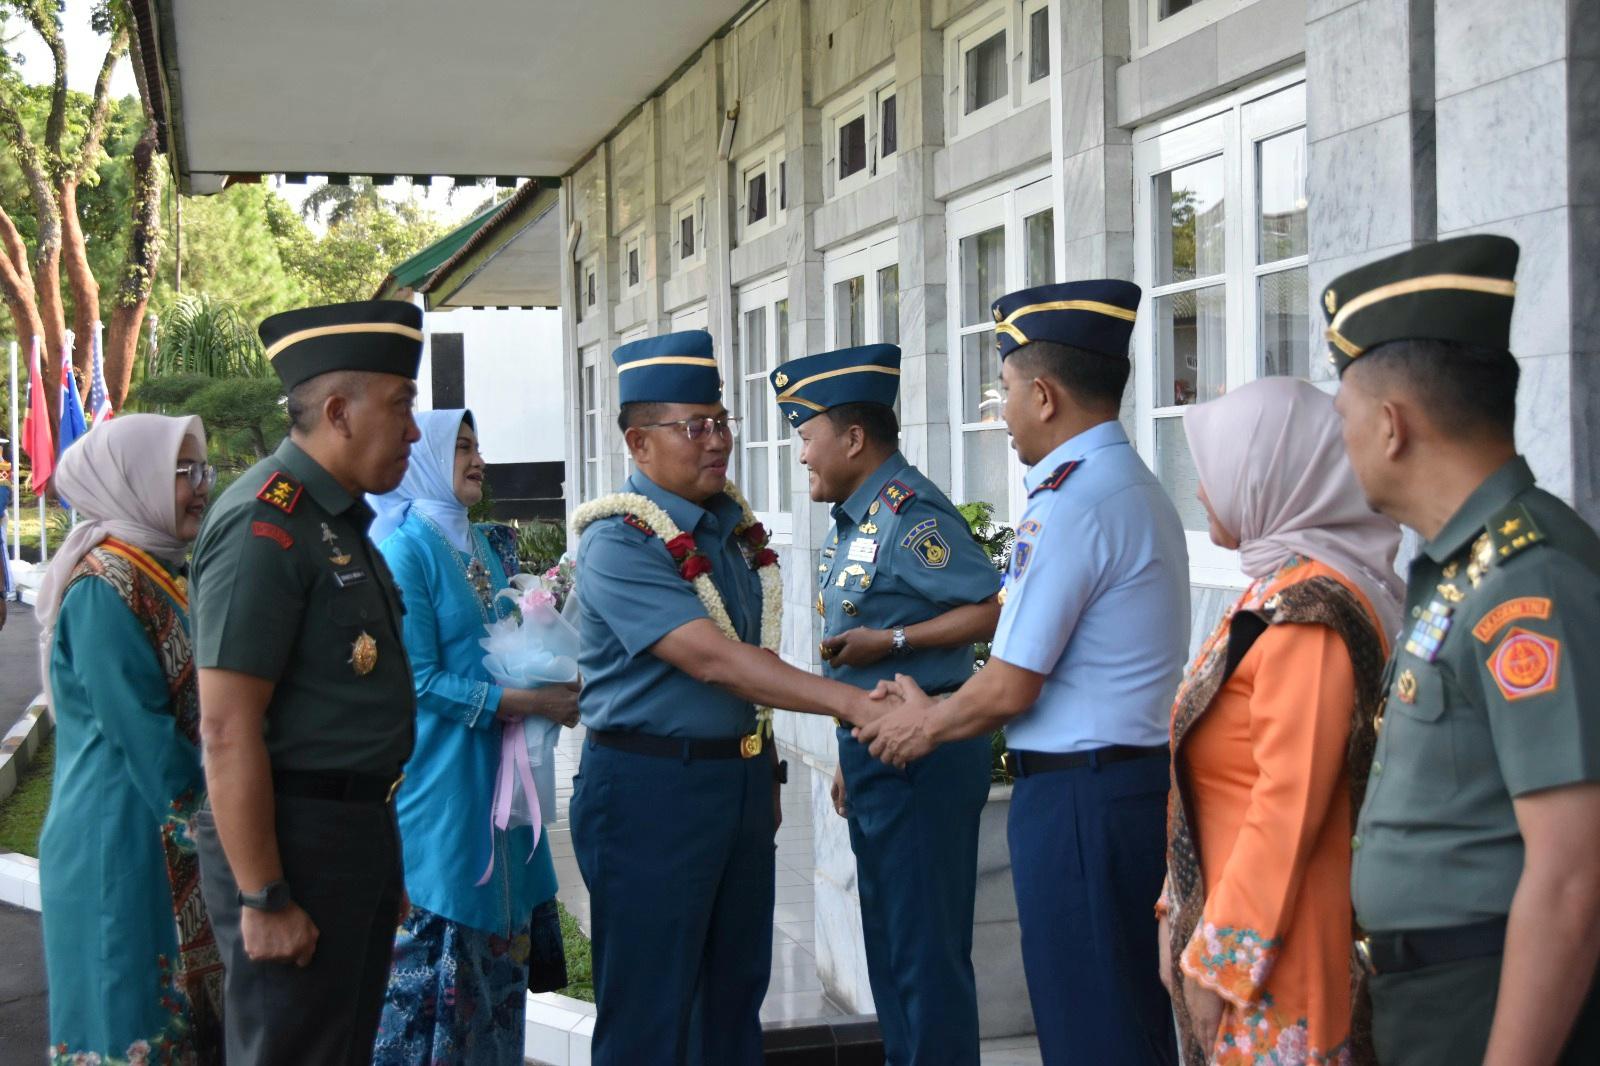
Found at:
[1272, 735]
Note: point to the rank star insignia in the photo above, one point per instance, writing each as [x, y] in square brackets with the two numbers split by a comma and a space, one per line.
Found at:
[364, 654]
[1406, 687]
[780, 379]
[1331, 301]
[281, 491]
[1511, 527]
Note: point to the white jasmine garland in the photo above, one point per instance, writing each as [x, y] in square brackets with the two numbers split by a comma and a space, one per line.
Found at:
[652, 515]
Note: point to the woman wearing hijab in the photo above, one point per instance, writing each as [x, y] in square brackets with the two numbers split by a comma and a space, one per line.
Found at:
[133, 970]
[458, 987]
[1272, 736]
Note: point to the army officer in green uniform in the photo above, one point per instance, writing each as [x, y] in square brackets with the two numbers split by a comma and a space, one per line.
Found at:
[903, 588]
[306, 698]
[1476, 868]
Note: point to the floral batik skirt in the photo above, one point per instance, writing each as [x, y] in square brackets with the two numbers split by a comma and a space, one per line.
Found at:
[456, 995]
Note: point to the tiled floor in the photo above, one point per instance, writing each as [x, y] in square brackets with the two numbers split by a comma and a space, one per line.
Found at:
[795, 992]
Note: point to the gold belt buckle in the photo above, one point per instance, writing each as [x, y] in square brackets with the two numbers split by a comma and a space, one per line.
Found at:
[1364, 954]
[394, 788]
[750, 746]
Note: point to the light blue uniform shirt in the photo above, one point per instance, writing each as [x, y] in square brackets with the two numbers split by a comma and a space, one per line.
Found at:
[630, 595]
[901, 553]
[1097, 599]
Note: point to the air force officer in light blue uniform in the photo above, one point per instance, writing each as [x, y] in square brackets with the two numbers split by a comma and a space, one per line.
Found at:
[1085, 662]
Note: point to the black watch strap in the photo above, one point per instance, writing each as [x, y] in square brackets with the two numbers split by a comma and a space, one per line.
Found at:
[272, 896]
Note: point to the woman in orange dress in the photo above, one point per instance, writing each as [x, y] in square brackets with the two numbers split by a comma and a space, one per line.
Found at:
[1272, 737]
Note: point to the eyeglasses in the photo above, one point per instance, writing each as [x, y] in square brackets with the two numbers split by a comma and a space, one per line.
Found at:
[697, 429]
[200, 475]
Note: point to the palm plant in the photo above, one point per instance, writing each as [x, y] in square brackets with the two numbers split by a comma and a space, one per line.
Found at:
[201, 335]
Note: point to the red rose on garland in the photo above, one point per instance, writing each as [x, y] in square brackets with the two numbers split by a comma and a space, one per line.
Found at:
[756, 535]
[766, 557]
[682, 546]
[693, 566]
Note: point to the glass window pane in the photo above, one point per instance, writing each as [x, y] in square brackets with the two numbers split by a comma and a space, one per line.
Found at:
[1191, 353]
[1172, 7]
[780, 311]
[755, 341]
[986, 73]
[591, 285]
[783, 184]
[1039, 232]
[1175, 468]
[980, 378]
[686, 237]
[849, 313]
[1190, 243]
[633, 266]
[754, 479]
[757, 398]
[983, 274]
[755, 198]
[1039, 44]
[889, 304]
[889, 128]
[1281, 195]
[1284, 330]
[985, 465]
[786, 464]
[852, 146]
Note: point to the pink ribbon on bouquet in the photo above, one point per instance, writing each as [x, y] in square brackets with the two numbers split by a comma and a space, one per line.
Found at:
[514, 765]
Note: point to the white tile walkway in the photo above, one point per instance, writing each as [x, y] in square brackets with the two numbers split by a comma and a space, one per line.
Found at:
[795, 992]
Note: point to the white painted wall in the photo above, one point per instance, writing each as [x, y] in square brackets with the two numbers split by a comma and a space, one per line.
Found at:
[513, 380]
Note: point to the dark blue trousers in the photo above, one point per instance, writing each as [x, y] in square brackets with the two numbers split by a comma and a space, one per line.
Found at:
[1088, 855]
[678, 857]
[915, 835]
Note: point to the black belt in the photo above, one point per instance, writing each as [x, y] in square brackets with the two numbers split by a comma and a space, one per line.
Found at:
[1399, 952]
[685, 748]
[344, 788]
[1028, 763]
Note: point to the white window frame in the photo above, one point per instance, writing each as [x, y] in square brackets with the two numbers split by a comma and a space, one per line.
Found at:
[588, 288]
[633, 244]
[591, 416]
[1230, 128]
[692, 207]
[763, 298]
[1033, 91]
[865, 259]
[1151, 32]
[863, 101]
[961, 38]
[766, 159]
[1006, 205]
[628, 336]
[694, 316]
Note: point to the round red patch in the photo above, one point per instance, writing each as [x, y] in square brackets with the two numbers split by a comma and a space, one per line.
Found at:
[1525, 664]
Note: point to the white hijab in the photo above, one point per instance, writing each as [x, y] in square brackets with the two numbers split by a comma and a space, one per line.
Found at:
[1271, 458]
[121, 479]
[429, 486]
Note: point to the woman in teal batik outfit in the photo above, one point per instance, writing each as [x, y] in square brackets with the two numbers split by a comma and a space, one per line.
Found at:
[458, 987]
[133, 971]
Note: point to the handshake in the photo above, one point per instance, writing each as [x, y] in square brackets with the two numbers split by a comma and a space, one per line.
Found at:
[895, 721]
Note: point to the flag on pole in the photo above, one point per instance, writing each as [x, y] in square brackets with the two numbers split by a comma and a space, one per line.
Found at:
[37, 440]
[99, 395]
[71, 414]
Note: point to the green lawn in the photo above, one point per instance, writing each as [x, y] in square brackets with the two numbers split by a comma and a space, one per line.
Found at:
[22, 816]
[22, 812]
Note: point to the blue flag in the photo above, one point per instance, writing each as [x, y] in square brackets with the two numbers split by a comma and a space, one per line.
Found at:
[73, 425]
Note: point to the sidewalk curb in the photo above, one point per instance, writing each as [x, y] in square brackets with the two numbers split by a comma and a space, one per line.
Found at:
[19, 744]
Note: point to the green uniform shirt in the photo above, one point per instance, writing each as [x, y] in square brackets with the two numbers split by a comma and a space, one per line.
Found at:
[287, 587]
[1493, 693]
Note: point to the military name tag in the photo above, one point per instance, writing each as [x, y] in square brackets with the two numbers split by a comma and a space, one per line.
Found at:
[345, 578]
[863, 550]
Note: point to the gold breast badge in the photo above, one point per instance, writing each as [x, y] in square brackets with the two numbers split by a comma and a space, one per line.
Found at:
[364, 654]
[1406, 687]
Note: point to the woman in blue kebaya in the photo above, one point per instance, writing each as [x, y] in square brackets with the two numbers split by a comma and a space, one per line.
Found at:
[133, 968]
[458, 987]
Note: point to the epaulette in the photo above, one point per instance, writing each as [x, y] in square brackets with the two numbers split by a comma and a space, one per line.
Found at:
[1512, 530]
[1056, 478]
[281, 491]
[896, 494]
[638, 523]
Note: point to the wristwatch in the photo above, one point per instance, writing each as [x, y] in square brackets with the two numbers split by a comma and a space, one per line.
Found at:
[272, 896]
[901, 645]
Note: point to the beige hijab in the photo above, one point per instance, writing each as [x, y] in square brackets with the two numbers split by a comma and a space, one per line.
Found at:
[121, 478]
[1271, 458]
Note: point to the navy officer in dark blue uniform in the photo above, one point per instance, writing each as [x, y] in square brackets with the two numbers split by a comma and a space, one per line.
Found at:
[902, 587]
[675, 804]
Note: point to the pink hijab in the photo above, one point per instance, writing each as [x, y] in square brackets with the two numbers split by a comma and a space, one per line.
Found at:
[1271, 458]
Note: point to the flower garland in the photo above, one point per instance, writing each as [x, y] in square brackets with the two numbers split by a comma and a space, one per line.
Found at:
[696, 567]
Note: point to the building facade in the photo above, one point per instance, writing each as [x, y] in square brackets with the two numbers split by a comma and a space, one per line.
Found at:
[823, 173]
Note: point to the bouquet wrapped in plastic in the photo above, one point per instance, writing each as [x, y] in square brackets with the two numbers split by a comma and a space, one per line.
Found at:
[534, 647]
